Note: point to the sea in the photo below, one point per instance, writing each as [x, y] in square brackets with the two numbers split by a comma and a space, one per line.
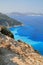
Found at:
[31, 32]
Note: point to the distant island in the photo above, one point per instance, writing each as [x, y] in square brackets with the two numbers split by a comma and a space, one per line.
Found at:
[8, 22]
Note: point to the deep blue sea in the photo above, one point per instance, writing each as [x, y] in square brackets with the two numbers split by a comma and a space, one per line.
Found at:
[31, 33]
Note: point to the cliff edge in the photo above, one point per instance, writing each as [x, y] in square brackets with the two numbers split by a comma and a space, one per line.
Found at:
[17, 53]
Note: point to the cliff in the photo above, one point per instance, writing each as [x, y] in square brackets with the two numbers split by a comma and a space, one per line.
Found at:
[7, 21]
[17, 53]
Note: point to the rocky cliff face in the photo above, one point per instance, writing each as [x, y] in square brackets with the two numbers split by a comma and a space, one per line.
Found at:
[17, 53]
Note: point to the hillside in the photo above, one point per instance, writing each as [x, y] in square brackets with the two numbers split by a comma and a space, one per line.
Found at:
[7, 21]
[17, 52]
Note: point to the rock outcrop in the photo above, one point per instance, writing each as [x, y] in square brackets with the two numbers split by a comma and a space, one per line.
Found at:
[17, 53]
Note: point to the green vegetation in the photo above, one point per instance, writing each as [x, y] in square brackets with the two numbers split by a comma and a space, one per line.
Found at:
[7, 21]
[7, 32]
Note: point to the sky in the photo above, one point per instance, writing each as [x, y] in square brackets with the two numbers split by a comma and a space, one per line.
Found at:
[22, 6]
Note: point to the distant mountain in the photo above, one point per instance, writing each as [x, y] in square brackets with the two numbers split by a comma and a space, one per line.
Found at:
[7, 21]
[24, 14]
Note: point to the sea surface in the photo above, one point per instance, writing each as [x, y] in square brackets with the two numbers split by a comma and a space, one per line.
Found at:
[31, 32]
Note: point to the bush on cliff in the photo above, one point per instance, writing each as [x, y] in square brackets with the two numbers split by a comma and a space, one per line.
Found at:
[7, 32]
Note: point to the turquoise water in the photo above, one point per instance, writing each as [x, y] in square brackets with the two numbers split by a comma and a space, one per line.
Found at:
[31, 34]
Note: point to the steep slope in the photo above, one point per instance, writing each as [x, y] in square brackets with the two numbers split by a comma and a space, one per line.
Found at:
[17, 53]
[7, 21]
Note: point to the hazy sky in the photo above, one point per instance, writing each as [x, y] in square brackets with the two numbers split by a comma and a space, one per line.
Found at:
[23, 6]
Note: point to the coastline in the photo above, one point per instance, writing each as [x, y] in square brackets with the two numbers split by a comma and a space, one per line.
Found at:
[16, 26]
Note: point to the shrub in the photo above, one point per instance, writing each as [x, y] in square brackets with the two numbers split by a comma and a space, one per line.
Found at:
[7, 32]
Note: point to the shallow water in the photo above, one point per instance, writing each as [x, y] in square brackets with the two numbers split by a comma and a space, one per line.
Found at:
[31, 33]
